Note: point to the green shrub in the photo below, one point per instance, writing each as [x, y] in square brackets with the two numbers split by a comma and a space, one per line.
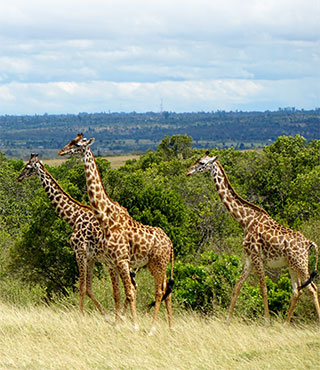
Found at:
[208, 287]
[20, 293]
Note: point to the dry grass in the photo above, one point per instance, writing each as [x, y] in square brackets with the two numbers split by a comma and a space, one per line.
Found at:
[51, 338]
[115, 161]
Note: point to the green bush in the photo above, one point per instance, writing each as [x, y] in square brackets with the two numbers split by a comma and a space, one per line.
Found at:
[21, 293]
[43, 254]
[207, 287]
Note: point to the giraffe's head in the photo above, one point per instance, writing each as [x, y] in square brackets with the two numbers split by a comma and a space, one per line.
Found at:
[77, 146]
[30, 168]
[203, 164]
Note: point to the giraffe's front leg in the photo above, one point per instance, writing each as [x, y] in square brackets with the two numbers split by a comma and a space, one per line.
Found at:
[82, 265]
[116, 294]
[126, 302]
[258, 264]
[236, 290]
[124, 272]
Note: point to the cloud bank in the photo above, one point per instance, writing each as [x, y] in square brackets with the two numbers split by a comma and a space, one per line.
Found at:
[76, 56]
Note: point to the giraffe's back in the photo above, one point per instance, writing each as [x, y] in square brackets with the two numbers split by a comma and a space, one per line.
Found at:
[279, 244]
[146, 243]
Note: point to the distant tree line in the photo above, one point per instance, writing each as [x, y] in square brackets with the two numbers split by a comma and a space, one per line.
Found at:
[138, 132]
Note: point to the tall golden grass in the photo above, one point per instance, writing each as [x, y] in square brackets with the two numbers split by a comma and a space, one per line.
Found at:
[43, 337]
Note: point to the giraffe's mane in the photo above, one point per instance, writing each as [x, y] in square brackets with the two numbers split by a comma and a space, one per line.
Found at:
[107, 195]
[236, 195]
[81, 205]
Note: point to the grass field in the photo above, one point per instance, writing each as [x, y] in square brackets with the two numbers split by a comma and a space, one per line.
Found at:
[115, 161]
[59, 338]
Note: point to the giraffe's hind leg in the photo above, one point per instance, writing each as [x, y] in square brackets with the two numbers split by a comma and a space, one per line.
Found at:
[159, 290]
[295, 294]
[169, 310]
[298, 276]
[157, 267]
[313, 291]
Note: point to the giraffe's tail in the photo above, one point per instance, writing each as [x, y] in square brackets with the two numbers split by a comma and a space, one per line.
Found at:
[315, 246]
[314, 272]
[132, 276]
[171, 281]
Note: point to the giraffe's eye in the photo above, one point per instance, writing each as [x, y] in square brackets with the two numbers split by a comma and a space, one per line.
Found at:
[202, 163]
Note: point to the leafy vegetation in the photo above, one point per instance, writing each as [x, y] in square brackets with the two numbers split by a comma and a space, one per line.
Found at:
[283, 178]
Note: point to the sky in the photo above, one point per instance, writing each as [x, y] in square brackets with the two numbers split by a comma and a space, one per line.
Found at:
[71, 56]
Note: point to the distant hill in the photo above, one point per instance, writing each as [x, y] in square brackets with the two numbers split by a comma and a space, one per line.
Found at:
[136, 132]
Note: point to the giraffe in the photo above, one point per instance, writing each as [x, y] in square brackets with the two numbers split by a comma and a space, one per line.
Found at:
[135, 245]
[86, 239]
[265, 241]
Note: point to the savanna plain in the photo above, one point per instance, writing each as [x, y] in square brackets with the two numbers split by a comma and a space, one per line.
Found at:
[55, 336]
[43, 337]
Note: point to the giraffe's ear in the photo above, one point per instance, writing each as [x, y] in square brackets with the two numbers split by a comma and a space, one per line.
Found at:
[90, 141]
[214, 159]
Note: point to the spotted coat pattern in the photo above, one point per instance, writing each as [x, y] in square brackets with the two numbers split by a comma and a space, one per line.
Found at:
[265, 243]
[129, 243]
[87, 237]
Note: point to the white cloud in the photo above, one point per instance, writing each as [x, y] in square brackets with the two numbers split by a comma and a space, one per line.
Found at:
[97, 55]
[143, 18]
[97, 96]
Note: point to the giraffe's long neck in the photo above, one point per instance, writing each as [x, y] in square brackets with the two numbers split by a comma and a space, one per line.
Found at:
[243, 211]
[106, 211]
[67, 207]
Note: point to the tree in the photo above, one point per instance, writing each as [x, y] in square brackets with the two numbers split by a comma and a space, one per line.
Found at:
[43, 254]
[176, 146]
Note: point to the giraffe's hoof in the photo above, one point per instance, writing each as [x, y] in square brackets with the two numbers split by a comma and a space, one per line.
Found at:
[123, 318]
[152, 331]
[136, 327]
[107, 319]
[117, 326]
